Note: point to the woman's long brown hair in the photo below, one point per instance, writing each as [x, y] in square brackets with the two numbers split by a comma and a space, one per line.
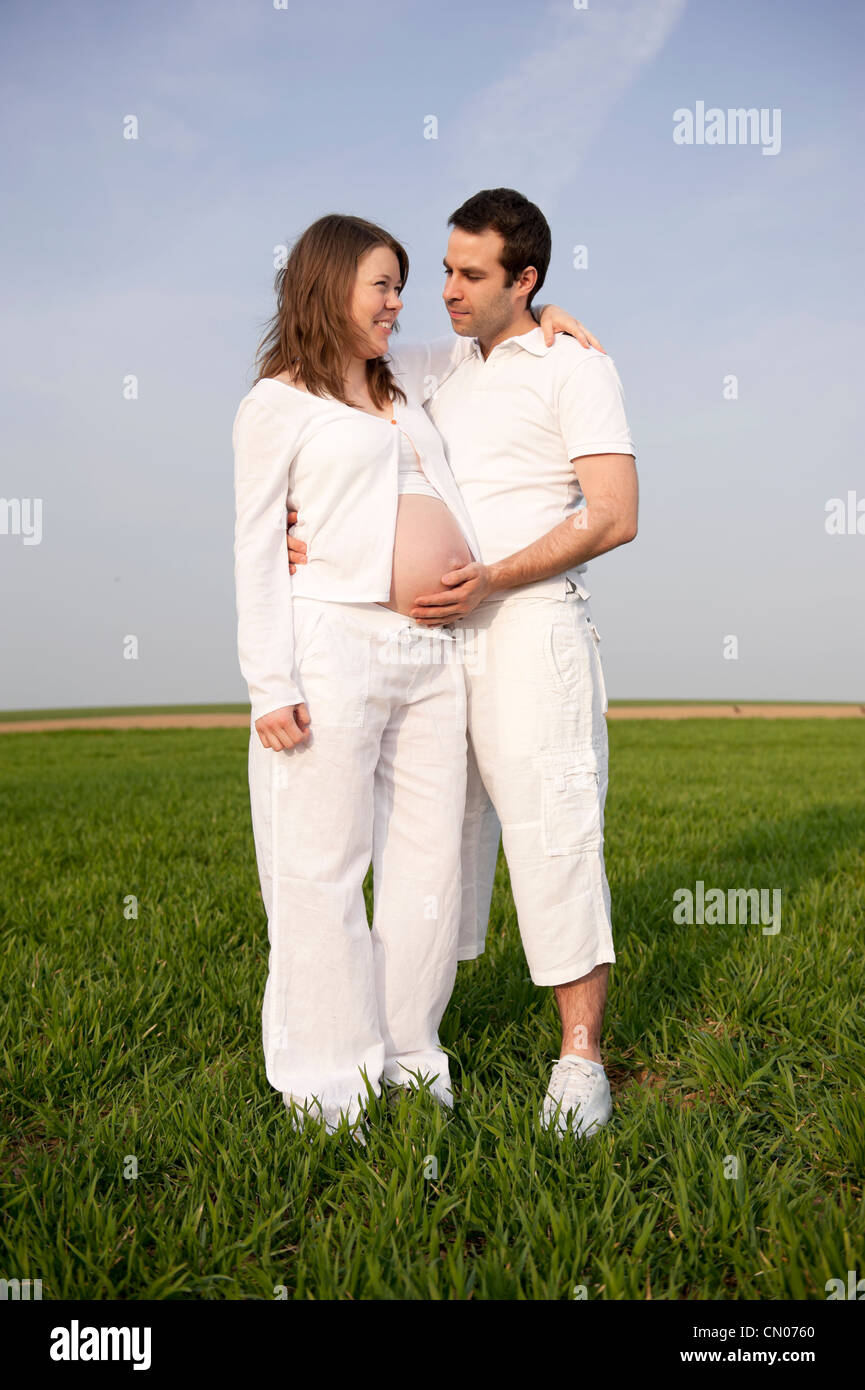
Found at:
[312, 331]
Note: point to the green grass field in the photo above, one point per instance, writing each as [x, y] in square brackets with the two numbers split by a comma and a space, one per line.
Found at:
[125, 1037]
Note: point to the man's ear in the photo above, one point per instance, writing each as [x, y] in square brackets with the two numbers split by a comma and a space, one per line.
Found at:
[529, 278]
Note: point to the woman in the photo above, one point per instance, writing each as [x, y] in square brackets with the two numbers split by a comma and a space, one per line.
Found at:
[354, 755]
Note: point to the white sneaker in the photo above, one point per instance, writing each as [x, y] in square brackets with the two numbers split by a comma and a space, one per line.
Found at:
[578, 1097]
[439, 1087]
[302, 1117]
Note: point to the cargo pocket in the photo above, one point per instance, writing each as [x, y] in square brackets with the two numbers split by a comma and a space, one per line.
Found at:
[565, 658]
[570, 809]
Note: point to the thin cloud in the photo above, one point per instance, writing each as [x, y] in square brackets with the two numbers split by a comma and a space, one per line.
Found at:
[534, 127]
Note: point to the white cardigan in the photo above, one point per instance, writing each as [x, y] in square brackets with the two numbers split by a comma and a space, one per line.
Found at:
[339, 467]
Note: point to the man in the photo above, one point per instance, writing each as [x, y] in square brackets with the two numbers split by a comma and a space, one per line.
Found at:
[538, 442]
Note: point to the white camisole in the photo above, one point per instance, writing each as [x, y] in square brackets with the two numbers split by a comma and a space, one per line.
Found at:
[411, 476]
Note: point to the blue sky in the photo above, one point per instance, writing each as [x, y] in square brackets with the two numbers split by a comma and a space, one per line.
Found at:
[154, 257]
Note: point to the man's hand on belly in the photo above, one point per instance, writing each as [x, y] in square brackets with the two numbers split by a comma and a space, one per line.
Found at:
[466, 588]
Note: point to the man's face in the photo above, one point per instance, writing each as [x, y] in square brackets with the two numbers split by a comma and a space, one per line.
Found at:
[477, 299]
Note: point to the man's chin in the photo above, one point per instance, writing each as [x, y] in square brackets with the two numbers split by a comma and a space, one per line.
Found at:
[463, 327]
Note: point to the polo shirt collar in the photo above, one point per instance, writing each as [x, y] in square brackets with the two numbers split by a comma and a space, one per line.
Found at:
[533, 342]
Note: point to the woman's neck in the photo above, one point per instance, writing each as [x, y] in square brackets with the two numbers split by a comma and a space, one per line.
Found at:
[357, 389]
[354, 377]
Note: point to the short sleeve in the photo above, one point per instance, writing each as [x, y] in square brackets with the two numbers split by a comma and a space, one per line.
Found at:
[264, 442]
[591, 409]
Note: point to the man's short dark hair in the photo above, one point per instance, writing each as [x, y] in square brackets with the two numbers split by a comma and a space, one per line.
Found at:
[521, 224]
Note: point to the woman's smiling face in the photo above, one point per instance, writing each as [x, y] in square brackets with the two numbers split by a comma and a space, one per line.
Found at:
[375, 303]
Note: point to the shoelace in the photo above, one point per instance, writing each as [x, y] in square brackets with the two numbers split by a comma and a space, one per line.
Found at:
[570, 1084]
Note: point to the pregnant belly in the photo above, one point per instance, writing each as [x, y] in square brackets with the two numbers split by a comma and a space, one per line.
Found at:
[427, 544]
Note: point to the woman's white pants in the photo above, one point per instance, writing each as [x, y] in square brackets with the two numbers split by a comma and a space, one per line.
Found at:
[382, 779]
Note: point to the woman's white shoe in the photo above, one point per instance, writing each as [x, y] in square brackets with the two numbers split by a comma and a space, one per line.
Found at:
[308, 1117]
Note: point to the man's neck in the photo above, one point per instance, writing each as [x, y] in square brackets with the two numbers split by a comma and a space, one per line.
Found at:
[523, 323]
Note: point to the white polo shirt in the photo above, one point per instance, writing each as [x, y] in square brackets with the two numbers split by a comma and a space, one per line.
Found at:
[511, 425]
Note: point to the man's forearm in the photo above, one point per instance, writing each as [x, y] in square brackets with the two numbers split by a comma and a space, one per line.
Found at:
[567, 545]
